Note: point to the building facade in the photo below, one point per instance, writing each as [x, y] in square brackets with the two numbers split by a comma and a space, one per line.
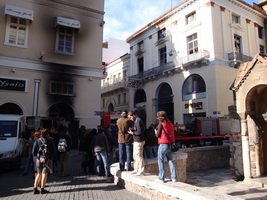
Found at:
[51, 61]
[185, 61]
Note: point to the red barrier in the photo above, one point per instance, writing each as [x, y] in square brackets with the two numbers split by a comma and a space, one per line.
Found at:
[207, 137]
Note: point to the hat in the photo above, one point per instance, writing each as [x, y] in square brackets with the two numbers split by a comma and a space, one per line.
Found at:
[124, 114]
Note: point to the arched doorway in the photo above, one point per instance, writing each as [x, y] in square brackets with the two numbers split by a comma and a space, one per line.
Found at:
[11, 108]
[110, 108]
[165, 100]
[140, 104]
[256, 108]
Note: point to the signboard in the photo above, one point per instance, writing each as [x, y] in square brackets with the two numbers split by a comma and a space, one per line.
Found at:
[12, 84]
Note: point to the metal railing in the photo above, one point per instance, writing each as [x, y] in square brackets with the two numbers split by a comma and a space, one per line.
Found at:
[235, 56]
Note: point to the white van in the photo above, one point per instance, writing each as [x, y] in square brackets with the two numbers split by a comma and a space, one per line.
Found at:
[11, 141]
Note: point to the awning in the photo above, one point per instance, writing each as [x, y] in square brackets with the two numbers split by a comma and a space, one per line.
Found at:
[18, 12]
[62, 21]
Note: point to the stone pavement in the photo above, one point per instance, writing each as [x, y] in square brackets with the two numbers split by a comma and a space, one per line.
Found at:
[14, 186]
[217, 184]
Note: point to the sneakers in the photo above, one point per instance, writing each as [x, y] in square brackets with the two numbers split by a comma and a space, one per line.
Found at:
[139, 174]
[161, 181]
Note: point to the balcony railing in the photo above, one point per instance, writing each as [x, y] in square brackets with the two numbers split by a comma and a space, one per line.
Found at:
[153, 71]
[195, 57]
[118, 83]
[235, 56]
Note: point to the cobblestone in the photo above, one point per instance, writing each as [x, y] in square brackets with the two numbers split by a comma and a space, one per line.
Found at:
[14, 186]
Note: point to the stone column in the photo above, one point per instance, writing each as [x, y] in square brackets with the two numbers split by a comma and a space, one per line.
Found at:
[245, 148]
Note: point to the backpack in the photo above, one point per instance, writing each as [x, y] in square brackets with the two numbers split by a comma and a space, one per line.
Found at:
[42, 154]
[62, 145]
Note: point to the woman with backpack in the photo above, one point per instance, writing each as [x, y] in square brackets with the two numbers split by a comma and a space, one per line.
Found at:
[43, 150]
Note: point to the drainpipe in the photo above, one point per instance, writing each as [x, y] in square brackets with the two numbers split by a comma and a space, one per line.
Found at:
[36, 97]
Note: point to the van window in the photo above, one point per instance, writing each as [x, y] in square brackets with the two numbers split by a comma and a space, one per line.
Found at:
[8, 128]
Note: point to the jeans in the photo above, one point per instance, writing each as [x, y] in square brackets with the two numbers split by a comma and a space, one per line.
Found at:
[125, 154]
[151, 151]
[29, 162]
[164, 151]
[102, 158]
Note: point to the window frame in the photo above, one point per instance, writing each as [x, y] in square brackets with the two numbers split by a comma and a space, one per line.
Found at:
[236, 19]
[62, 84]
[192, 88]
[140, 64]
[260, 32]
[72, 35]
[8, 31]
[187, 17]
[163, 55]
[162, 33]
[238, 43]
[194, 41]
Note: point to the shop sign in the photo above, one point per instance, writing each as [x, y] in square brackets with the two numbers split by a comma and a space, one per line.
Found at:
[12, 84]
[196, 105]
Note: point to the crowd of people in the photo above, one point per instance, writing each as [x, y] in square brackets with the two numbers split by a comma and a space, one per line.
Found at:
[126, 141]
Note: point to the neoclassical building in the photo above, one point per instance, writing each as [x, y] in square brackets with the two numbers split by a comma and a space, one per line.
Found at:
[50, 61]
[185, 61]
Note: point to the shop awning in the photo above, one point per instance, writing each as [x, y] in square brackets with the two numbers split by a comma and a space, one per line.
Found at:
[18, 12]
[62, 21]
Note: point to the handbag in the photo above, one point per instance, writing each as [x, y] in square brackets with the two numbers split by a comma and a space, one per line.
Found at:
[173, 146]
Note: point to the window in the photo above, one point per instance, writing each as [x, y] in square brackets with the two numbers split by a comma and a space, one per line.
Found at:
[262, 49]
[237, 43]
[235, 19]
[140, 45]
[65, 40]
[191, 18]
[260, 32]
[119, 99]
[162, 56]
[17, 31]
[119, 76]
[62, 88]
[162, 33]
[194, 87]
[124, 98]
[103, 103]
[192, 44]
[124, 75]
[140, 62]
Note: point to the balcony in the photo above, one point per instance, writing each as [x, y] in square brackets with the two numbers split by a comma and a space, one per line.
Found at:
[116, 85]
[154, 71]
[200, 56]
[236, 59]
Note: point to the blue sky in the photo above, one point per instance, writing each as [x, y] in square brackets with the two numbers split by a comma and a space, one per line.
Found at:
[124, 17]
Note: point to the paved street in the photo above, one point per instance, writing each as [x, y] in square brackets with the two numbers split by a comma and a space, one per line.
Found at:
[78, 186]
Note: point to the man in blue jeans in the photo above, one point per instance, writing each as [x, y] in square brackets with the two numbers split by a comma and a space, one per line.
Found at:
[125, 141]
[101, 149]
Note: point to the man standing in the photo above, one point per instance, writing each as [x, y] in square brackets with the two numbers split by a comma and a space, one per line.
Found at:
[139, 141]
[43, 151]
[100, 147]
[125, 141]
[64, 145]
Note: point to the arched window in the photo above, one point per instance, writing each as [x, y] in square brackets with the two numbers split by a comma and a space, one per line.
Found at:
[194, 88]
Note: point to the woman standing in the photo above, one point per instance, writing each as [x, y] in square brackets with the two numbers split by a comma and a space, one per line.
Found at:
[165, 135]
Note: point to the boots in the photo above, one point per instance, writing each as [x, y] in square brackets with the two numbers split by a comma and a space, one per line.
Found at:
[36, 191]
[43, 191]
